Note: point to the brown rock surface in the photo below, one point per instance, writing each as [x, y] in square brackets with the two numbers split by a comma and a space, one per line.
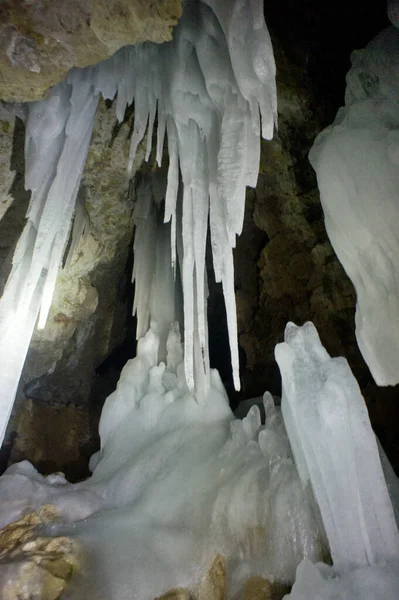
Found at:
[32, 566]
[53, 437]
[176, 594]
[259, 588]
[213, 586]
[40, 41]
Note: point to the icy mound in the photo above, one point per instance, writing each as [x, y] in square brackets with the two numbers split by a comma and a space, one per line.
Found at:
[357, 166]
[182, 482]
[364, 583]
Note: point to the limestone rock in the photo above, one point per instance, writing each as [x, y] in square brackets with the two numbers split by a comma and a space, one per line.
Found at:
[32, 566]
[53, 437]
[176, 594]
[259, 588]
[40, 41]
[213, 586]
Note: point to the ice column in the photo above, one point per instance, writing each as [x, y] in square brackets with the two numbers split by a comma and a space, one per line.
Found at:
[357, 164]
[58, 133]
[336, 451]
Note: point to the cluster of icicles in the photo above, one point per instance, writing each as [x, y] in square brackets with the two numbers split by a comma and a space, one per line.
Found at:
[212, 92]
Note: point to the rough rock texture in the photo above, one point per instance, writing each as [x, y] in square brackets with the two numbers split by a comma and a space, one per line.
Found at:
[32, 566]
[214, 584]
[53, 437]
[295, 275]
[40, 41]
[259, 588]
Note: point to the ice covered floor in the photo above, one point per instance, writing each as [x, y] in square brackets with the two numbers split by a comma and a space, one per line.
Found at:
[182, 482]
[177, 483]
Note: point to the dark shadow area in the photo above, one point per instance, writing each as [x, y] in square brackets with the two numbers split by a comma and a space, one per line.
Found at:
[12, 223]
[320, 37]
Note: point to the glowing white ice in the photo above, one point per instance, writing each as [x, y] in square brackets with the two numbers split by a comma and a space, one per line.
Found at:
[336, 451]
[213, 89]
[181, 482]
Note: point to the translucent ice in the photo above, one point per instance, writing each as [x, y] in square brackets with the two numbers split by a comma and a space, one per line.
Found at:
[336, 453]
[362, 583]
[336, 450]
[357, 166]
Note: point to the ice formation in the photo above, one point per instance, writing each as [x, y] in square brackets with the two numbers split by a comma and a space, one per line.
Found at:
[178, 480]
[182, 482]
[213, 92]
[357, 166]
[58, 133]
[336, 452]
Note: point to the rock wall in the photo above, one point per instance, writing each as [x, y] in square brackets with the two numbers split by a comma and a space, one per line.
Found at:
[40, 41]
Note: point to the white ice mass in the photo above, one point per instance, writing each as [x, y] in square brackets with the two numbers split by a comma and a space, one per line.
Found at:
[336, 451]
[213, 91]
[357, 164]
[182, 482]
[178, 480]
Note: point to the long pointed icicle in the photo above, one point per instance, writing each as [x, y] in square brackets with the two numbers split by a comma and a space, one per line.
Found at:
[58, 135]
[219, 68]
[219, 74]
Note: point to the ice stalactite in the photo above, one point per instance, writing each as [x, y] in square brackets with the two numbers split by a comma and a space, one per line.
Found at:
[357, 165]
[58, 133]
[212, 90]
[157, 299]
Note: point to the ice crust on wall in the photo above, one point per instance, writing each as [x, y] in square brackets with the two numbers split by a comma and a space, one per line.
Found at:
[357, 164]
[181, 482]
[336, 452]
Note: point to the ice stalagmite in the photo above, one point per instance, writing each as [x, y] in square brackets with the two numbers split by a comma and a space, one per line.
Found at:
[176, 483]
[336, 452]
[357, 166]
[58, 133]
